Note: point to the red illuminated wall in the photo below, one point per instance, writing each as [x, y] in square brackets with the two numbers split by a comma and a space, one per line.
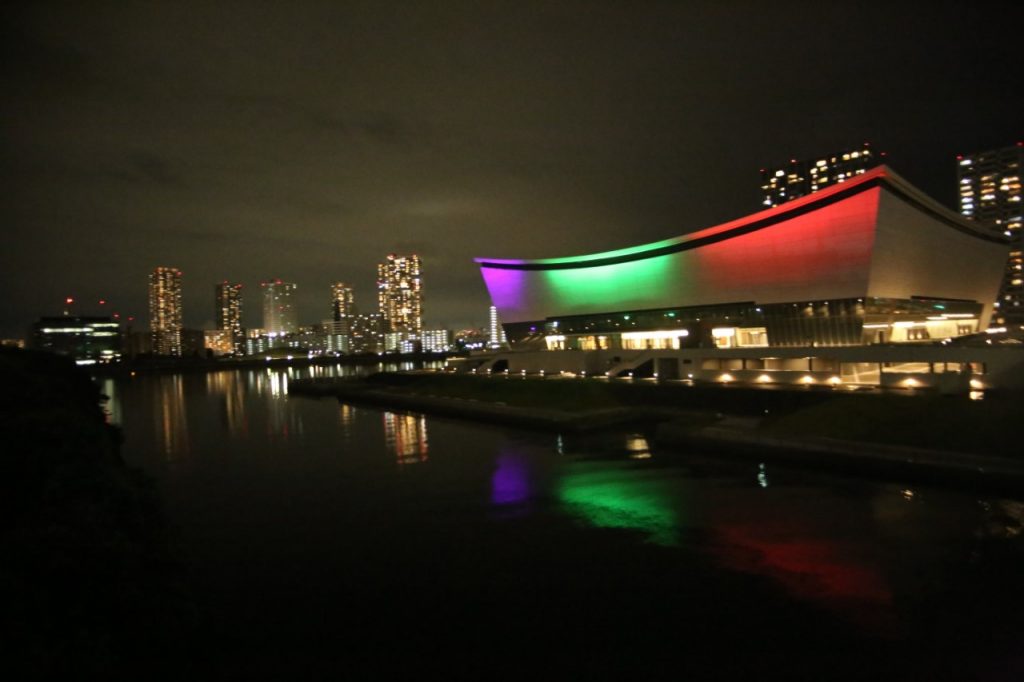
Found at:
[823, 254]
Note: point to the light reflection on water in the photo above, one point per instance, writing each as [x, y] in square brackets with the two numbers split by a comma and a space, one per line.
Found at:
[623, 498]
[242, 396]
[510, 483]
[229, 387]
[406, 436]
[637, 446]
[171, 416]
[346, 417]
[112, 406]
[855, 548]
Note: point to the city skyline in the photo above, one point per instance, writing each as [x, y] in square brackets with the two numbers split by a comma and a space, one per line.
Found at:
[800, 177]
[453, 132]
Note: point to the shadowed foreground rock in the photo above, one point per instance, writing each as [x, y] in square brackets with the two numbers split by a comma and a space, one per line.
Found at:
[88, 585]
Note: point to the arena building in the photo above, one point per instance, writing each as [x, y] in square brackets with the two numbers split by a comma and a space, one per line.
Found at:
[872, 260]
[868, 282]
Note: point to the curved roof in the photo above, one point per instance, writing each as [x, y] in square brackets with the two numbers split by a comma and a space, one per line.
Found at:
[881, 176]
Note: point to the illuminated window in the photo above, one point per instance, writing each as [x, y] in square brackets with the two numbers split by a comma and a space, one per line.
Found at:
[653, 340]
[752, 336]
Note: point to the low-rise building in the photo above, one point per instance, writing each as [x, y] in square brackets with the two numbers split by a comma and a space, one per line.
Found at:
[88, 340]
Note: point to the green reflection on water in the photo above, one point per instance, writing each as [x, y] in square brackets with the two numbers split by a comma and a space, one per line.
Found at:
[621, 498]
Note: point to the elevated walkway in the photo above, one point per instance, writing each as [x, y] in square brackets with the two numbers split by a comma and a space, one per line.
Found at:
[948, 369]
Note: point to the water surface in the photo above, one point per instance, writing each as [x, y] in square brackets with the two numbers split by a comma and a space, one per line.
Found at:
[328, 538]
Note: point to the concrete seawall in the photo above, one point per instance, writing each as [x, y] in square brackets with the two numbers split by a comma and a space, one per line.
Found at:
[729, 437]
[498, 413]
[890, 461]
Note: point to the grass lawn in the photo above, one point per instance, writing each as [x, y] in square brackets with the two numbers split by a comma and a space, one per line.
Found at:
[989, 426]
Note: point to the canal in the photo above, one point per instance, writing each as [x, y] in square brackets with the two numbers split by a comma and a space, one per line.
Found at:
[319, 538]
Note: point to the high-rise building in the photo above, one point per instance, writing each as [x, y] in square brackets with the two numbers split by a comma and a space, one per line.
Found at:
[342, 301]
[800, 178]
[400, 294]
[165, 311]
[228, 303]
[989, 187]
[496, 336]
[279, 315]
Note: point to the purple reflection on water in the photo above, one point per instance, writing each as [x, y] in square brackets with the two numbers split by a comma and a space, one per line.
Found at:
[510, 483]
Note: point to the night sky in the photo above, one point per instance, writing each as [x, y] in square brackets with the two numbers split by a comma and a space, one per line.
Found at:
[306, 141]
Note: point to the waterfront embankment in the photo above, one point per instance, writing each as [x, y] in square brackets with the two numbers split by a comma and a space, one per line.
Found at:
[929, 436]
[549, 412]
[191, 364]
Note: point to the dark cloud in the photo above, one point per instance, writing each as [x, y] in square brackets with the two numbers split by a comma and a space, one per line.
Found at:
[153, 168]
[378, 126]
[33, 63]
[308, 140]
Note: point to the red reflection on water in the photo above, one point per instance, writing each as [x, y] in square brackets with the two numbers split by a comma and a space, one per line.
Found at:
[812, 567]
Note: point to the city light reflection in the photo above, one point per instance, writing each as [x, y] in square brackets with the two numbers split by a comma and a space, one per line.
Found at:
[406, 436]
[347, 417]
[112, 406]
[637, 446]
[762, 475]
[228, 387]
[171, 419]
